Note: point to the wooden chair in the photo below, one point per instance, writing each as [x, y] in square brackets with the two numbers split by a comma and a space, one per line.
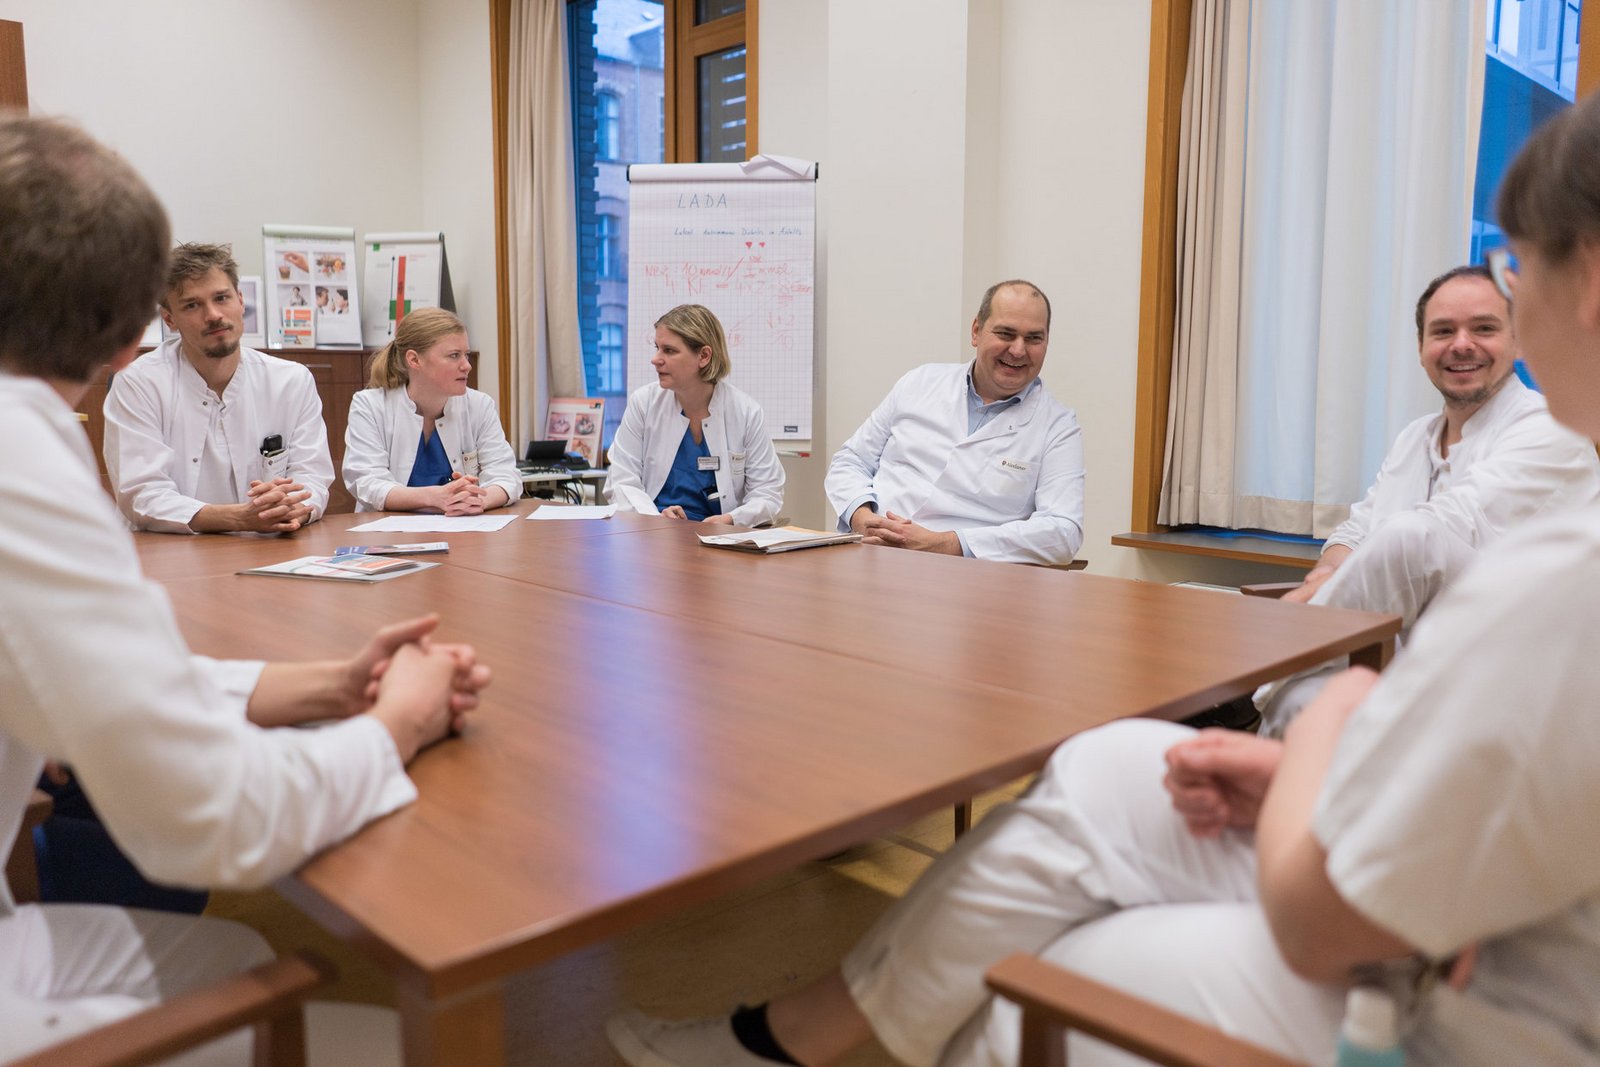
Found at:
[1054, 1001]
[268, 997]
[1273, 590]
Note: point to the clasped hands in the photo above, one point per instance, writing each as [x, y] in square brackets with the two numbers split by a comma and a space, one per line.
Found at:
[419, 688]
[897, 532]
[461, 495]
[277, 505]
[1219, 778]
[674, 511]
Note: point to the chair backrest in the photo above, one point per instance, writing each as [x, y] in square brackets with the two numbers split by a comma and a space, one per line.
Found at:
[22, 866]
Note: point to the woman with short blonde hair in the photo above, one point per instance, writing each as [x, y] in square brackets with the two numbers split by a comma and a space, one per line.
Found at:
[692, 445]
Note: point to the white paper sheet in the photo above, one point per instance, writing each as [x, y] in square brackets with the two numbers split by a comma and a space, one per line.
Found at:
[434, 524]
[575, 511]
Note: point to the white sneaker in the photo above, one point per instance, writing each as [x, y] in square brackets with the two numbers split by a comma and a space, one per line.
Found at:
[647, 1042]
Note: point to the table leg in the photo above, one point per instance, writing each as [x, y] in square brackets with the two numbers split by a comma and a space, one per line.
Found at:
[467, 1030]
[1375, 656]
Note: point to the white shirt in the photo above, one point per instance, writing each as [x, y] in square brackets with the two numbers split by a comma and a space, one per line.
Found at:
[1461, 805]
[94, 672]
[749, 476]
[1013, 489]
[1513, 462]
[158, 412]
[380, 444]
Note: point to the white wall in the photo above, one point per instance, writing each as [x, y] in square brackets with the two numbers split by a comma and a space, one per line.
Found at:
[364, 113]
[960, 143]
[455, 155]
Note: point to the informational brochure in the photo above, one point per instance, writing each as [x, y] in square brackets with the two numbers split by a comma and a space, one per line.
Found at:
[342, 568]
[579, 421]
[781, 539]
[296, 329]
[420, 548]
[405, 271]
[311, 286]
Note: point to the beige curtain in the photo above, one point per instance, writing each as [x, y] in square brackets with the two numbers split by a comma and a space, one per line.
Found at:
[541, 219]
[1198, 487]
[1326, 173]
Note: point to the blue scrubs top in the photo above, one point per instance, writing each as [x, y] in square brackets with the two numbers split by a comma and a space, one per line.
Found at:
[432, 466]
[687, 485]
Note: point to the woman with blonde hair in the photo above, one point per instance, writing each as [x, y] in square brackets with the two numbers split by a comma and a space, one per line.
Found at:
[418, 438]
[692, 443]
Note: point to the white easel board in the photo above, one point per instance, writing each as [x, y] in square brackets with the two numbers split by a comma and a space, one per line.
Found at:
[739, 238]
[404, 271]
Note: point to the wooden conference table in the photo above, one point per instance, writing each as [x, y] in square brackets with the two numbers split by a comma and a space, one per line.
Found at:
[670, 722]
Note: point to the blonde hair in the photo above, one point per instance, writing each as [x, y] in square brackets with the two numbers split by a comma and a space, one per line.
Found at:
[699, 329]
[418, 331]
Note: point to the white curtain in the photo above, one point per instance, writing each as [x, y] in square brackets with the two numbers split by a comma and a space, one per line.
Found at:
[1326, 174]
[541, 219]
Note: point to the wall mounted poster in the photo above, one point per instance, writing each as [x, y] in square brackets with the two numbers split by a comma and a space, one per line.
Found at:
[311, 295]
[404, 271]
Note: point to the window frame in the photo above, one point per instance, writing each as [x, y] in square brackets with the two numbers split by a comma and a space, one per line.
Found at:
[686, 43]
[608, 118]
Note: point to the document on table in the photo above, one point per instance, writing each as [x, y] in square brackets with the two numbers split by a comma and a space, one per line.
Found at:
[548, 513]
[434, 524]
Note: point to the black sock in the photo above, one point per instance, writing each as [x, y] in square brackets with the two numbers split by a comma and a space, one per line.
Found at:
[751, 1030]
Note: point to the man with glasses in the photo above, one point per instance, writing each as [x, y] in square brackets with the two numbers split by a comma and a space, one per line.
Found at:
[1452, 482]
[971, 459]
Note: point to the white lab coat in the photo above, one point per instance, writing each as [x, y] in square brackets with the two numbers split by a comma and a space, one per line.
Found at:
[380, 444]
[157, 413]
[749, 476]
[95, 673]
[1014, 489]
[1513, 462]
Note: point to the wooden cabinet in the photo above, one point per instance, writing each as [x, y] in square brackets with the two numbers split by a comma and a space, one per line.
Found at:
[340, 373]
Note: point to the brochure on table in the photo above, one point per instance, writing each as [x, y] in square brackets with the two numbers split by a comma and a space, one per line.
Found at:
[404, 271]
[781, 539]
[311, 296]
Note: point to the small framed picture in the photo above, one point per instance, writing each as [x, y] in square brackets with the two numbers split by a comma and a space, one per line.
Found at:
[250, 293]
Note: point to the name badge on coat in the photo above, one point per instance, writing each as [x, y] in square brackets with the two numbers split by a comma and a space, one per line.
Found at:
[274, 465]
[709, 463]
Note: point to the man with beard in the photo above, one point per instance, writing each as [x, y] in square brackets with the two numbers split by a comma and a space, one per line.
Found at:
[1491, 459]
[206, 436]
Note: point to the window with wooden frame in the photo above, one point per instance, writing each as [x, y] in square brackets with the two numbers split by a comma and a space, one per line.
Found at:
[652, 81]
[1170, 24]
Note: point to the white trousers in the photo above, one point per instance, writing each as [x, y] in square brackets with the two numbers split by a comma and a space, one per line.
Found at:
[1091, 869]
[1405, 562]
[69, 968]
[66, 969]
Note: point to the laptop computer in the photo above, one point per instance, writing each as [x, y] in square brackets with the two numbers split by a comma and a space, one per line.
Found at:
[550, 457]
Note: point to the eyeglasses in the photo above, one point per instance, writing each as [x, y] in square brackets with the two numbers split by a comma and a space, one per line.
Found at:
[1502, 270]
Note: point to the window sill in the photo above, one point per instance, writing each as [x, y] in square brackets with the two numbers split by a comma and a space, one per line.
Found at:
[1248, 549]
